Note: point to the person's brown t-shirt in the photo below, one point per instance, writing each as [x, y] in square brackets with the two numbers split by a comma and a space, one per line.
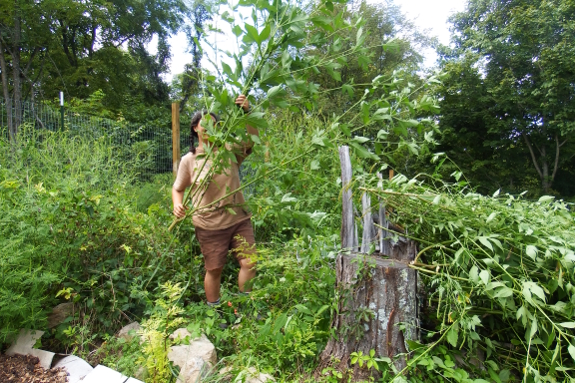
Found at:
[194, 168]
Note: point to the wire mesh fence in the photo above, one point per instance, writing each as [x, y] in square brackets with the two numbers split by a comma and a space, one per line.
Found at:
[150, 147]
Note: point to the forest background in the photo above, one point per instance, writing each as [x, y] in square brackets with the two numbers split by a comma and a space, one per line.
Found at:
[80, 224]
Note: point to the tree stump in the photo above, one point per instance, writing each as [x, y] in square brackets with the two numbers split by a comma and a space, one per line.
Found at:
[376, 294]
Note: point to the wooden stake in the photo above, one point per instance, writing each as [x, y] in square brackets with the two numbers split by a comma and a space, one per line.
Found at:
[348, 239]
[175, 137]
[368, 228]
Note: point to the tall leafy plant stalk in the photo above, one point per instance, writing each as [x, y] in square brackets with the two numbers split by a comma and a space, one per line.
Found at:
[284, 53]
[500, 272]
[278, 72]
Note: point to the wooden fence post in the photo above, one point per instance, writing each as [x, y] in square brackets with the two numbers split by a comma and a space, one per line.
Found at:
[175, 137]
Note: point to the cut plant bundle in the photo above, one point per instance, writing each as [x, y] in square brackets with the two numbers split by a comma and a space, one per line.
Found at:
[276, 76]
[500, 277]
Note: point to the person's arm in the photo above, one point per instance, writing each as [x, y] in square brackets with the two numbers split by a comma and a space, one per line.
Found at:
[183, 180]
[178, 201]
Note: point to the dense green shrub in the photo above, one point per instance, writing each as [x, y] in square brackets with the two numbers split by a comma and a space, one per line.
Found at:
[68, 225]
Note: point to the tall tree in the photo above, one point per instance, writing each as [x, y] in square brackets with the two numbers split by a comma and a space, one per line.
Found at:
[381, 24]
[81, 46]
[25, 29]
[522, 98]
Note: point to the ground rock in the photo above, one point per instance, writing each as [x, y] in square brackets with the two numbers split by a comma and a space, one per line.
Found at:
[195, 360]
[199, 348]
[125, 331]
[253, 375]
[60, 313]
[181, 334]
[192, 370]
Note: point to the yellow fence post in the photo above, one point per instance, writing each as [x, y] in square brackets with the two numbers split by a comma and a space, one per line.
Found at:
[175, 137]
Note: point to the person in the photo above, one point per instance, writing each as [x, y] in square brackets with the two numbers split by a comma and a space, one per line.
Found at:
[224, 225]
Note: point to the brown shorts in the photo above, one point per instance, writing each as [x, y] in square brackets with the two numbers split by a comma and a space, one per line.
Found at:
[215, 244]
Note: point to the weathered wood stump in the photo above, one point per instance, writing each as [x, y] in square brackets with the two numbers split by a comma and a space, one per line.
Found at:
[376, 292]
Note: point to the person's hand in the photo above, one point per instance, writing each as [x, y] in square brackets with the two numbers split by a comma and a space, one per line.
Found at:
[180, 210]
[243, 102]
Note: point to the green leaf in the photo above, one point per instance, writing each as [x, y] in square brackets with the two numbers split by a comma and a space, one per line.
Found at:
[546, 198]
[275, 92]
[571, 350]
[317, 140]
[228, 70]
[252, 33]
[286, 59]
[348, 89]
[532, 288]
[567, 324]
[257, 120]
[288, 198]
[237, 30]
[484, 275]
[265, 33]
[533, 329]
[362, 152]
[491, 217]
[531, 251]
[485, 242]
[360, 139]
[452, 335]
[303, 309]
[503, 292]
[523, 314]
[474, 274]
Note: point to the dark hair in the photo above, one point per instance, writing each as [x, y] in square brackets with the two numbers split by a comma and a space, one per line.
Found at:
[195, 121]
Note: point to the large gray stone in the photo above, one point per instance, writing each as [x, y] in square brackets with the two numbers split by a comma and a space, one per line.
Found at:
[60, 313]
[192, 370]
[200, 347]
[195, 360]
[125, 331]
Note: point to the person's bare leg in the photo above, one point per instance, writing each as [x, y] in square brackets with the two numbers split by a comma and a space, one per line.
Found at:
[212, 282]
[247, 272]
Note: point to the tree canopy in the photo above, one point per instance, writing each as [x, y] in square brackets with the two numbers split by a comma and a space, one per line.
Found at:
[508, 100]
[84, 47]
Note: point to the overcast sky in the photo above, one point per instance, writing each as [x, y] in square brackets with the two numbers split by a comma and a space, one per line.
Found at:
[427, 14]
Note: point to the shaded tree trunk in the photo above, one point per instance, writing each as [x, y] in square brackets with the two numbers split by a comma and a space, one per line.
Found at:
[543, 170]
[5, 89]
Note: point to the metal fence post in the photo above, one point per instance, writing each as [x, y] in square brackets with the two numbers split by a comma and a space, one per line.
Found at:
[175, 137]
[62, 108]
